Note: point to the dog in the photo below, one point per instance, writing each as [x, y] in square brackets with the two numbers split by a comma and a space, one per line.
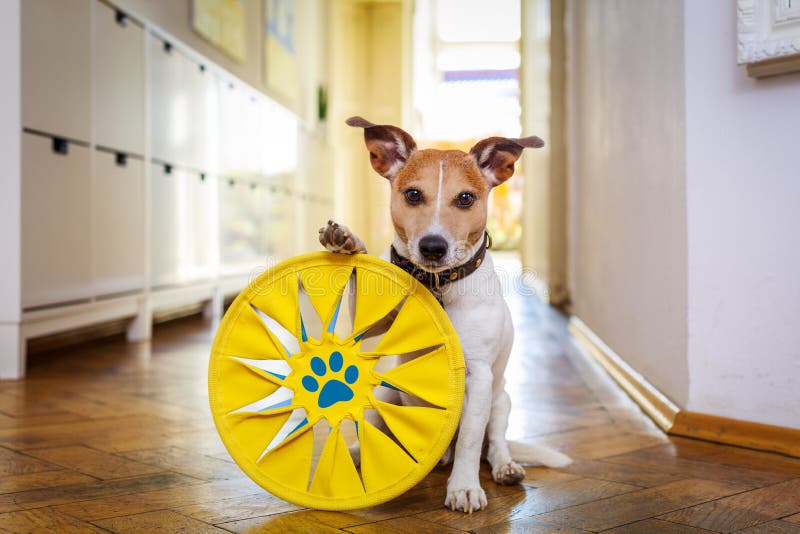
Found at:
[439, 204]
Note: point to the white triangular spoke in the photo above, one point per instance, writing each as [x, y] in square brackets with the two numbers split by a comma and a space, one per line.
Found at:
[374, 333]
[311, 321]
[277, 368]
[287, 339]
[296, 422]
[281, 398]
[342, 322]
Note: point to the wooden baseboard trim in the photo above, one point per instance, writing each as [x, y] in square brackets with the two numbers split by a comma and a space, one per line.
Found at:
[655, 404]
[675, 421]
[748, 434]
[773, 67]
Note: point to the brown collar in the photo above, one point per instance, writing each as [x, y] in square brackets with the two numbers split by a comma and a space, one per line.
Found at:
[434, 281]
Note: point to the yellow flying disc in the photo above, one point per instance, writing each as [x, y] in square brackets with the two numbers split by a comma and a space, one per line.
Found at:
[296, 366]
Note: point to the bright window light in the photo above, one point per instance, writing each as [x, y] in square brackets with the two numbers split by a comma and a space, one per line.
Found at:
[464, 21]
[478, 57]
[466, 87]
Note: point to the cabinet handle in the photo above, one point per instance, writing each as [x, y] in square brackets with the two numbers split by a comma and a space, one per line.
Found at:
[202, 67]
[60, 146]
[121, 159]
[167, 168]
[167, 47]
[231, 182]
[121, 18]
[202, 177]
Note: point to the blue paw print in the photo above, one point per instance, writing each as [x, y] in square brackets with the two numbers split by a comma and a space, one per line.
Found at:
[333, 390]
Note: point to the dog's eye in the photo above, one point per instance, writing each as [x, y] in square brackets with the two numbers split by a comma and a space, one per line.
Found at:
[413, 196]
[465, 200]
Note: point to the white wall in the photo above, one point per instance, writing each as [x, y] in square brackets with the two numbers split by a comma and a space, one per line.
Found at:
[684, 248]
[627, 251]
[10, 182]
[743, 212]
[10, 130]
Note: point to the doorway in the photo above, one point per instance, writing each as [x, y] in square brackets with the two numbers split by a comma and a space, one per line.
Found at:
[466, 88]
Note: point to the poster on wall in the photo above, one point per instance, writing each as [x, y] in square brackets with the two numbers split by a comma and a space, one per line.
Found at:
[769, 36]
[222, 23]
[280, 52]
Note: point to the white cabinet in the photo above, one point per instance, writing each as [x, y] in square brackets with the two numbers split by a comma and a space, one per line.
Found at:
[276, 229]
[250, 134]
[165, 209]
[119, 81]
[118, 224]
[205, 99]
[145, 172]
[183, 226]
[56, 208]
[199, 226]
[240, 130]
[56, 67]
[241, 216]
[231, 107]
[256, 225]
[171, 105]
[279, 141]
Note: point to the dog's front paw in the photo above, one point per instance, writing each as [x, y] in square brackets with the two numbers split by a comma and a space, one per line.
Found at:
[466, 500]
[338, 238]
[508, 474]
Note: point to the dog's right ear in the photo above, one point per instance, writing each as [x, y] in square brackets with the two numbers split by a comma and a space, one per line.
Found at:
[389, 146]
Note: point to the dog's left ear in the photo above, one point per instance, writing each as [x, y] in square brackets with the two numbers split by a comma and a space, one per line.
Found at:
[389, 146]
[495, 156]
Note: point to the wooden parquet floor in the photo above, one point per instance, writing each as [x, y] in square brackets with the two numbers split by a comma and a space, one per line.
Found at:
[114, 437]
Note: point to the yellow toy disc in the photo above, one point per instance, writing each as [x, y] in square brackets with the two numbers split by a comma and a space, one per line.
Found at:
[300, 370]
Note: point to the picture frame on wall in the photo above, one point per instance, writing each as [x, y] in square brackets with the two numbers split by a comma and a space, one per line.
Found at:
[281, 69]
[768, 34]
[222, 23]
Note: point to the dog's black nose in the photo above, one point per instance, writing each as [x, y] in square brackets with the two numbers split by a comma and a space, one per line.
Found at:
[433, 247]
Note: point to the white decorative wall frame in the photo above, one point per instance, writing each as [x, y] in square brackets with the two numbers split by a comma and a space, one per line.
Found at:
[769, 36]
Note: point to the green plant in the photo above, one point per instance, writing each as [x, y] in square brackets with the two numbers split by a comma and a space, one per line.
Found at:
[322, 103]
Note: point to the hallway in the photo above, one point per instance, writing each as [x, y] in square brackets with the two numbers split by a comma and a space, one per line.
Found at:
[117, 437]
[172, 151]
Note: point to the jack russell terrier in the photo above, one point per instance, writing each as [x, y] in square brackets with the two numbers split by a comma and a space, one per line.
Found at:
[439, 203]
